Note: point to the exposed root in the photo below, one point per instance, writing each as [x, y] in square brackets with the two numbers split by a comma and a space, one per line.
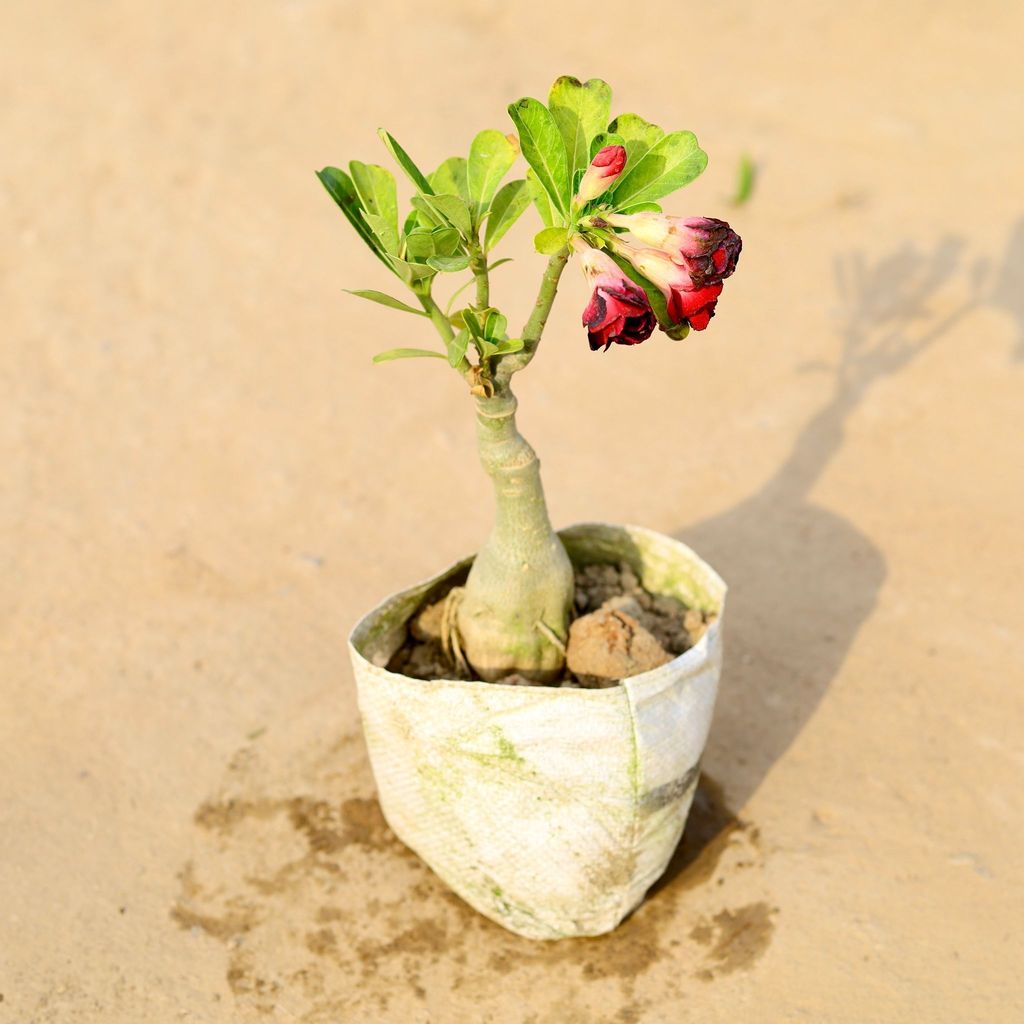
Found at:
[551, 636]
[451, 641]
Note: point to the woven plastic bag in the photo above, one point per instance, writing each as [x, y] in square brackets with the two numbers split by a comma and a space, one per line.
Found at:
[549, 810]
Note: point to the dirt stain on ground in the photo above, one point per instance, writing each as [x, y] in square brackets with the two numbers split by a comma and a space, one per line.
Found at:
[737, 938]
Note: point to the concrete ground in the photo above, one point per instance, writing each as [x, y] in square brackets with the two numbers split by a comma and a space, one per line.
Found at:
[205, 482]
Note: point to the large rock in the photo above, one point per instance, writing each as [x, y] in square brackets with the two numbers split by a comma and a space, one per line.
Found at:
[610, 645]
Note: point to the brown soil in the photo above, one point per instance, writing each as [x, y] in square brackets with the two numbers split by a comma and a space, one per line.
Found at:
[633, 622]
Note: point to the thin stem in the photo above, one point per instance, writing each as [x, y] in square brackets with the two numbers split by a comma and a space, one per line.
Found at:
[444, 328]
[458, 291]
[534, 327]
[478, 264]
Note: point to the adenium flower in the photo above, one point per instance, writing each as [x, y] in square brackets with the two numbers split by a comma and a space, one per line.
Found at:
[619, 311]
[601, 174]
[687, 301]
[708, 248]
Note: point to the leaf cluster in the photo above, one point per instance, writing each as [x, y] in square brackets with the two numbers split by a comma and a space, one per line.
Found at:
[560, 139]
[448, 207]
[459, 214]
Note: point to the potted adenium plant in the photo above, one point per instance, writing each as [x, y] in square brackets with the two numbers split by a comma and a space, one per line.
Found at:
[535, 715]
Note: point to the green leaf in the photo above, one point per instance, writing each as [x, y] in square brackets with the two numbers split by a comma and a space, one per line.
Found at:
[409, 271]
[540, 199]
[669, 164]
[413, 221]
[422, 243]
[641, 208]
[638, 135]
[376, 188]
[449, 208]
[498, 263]
[455, 211]
[385, 300]
[506, 207]
[340, 188]
[419, 244]
[452, 178]
[551, 240]
[457, 347]
[449, 264]
[490, 157]
[489, 347]
[385, 232]
[509, 345]
[472, 322]
[495, 326]
[414, 174]
[406, 353]
[543, 148]
[446, 241]
[580, 110]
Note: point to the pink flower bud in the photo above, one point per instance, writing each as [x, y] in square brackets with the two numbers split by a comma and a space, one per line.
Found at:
[708, 248]
[601, 174]
[619, 311]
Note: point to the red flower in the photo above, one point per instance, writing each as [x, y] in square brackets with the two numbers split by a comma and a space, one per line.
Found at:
[696, 307]
[688, 302]
[618, 310]
[601, 174]
[708, 248]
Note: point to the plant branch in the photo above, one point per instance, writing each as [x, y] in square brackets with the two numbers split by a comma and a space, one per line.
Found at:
[444, 328]
[534, 327]
[478, 264]
[456, 294]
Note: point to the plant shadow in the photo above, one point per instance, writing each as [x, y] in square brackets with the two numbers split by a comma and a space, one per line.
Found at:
[804, 579]
[1008, 287]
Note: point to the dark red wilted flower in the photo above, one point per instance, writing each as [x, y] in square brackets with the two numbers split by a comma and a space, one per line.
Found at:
[619, 311]
[606, 166]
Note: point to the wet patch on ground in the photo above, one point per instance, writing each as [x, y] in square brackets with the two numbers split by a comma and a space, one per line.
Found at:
[323, 914]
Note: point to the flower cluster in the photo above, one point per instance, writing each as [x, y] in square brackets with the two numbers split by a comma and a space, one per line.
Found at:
[686, 259]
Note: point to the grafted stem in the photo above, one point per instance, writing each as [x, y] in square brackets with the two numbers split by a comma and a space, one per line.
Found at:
[534, 327]
[478, 266]
[520, 588]
[514, 614]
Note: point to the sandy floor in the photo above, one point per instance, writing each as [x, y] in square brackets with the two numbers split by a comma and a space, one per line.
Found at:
[206, 482]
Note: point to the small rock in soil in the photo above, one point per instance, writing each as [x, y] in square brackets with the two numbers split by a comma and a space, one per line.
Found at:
[608, 645]
[695, 624]
[674, 626]
[426, 624]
